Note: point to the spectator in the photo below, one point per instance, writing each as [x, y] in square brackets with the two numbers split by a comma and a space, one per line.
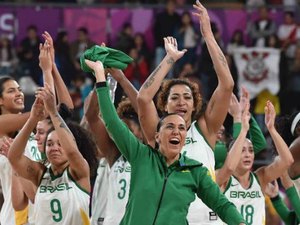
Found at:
[124, 40]
[164, 26]
[261, 28]
[7, 57]
[287, 34]
[138, 70]
[78, 47]
[63, 57]
[28, 54]
[187, 39]
[236, 41]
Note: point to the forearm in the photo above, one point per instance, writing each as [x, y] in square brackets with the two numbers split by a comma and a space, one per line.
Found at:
[294, 199]
[130, 91]
[66, 137]
[282, 210]
[220, 64]
[126, 143]
[48, 79]
[282, 149]
[153, 82]
[12, 122]
[17, 148]
[232, 160]
[63, 95]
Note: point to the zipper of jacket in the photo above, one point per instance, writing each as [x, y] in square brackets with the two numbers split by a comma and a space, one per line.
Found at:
[161, 196]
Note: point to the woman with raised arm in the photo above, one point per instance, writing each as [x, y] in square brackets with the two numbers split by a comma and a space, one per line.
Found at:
[64, 187]
[118, 181]
[245, 188]
[183, 98]
[159, 174]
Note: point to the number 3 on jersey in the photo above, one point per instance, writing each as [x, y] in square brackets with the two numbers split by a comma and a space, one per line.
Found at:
[247, 213]
[122, 192]
[56, 210]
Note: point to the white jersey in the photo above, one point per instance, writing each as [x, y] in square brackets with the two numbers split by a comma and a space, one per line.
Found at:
[60, 200]
[249, 202]
[197, 148]
[100, 191]
[119, 182]
[7, 212]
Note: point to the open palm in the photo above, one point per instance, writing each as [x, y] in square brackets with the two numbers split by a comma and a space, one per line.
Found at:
[172, 48]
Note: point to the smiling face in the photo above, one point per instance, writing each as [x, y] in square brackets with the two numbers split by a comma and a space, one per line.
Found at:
[171, 136]
[12, 99]
[247, 157]
[181, 102]
[54, 152]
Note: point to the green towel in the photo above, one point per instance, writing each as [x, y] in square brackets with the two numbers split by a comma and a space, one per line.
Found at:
[111, 58]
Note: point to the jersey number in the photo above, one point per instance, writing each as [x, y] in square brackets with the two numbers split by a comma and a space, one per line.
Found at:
[122, 192]
[247, 213]
[56, 210]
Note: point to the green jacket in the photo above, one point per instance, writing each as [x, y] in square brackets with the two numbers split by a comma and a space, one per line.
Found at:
[159, 194]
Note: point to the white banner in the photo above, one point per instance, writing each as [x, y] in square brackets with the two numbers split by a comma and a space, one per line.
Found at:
[258, 69]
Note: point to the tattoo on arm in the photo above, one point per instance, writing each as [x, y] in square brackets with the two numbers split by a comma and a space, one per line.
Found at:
[63, 124]
[170, 61]
[222, 59]
[150, 80]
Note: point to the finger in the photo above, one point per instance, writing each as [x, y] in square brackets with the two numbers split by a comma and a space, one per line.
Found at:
[175, 42]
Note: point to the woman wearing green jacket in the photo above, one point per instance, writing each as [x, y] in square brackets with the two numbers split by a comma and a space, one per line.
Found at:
[163, 182]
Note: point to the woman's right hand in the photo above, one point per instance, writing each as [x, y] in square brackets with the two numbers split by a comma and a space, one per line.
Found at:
[172, 49]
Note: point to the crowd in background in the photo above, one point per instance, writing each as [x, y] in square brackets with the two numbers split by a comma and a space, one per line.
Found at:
[21, 60]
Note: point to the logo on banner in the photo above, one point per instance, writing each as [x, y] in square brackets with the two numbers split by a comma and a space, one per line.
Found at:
[256, 69]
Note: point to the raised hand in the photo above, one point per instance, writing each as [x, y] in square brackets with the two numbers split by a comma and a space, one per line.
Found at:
[172, 49]
[45, 57]
[244, 98]
[48, 98]
[38, 112]
[204, 19]
[49, 41]
[246, 117]
[270, 115]
[272, 189]
[95, 66]
[235, 109]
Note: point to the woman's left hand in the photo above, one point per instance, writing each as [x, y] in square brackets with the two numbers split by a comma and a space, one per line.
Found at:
[270, 115]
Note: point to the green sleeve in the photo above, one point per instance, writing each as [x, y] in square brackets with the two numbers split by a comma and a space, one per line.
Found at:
[126, 142]
[256, 136]
[220, 154]
[285, 214]
[236, 129]
[209, 192]
[295, 200]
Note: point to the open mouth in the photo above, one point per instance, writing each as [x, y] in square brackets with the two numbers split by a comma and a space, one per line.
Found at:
[174, 141]
[181, 112]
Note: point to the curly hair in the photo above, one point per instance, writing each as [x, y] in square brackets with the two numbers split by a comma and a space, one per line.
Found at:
[164, 93]
[126, 111]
